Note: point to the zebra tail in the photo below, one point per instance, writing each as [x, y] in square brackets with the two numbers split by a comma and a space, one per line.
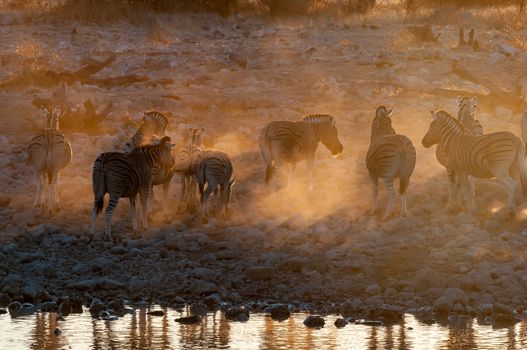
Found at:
[269, 172]
[99, 184]
[407, 165]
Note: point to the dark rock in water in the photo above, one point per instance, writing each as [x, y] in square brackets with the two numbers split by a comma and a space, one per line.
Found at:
[340, 323]
[76, 305]
[443, 305]
[43, 296]
[17, 309]
[96, 308]
[212, 302]
[503, 309]
[387, 314]
[156, 313]
[49, 306]
[314, 322]
[57, 332]
[107, 315]
[65, 308]
[195, 319]
[116, 306]
[198, 309]
[501, 320]
[3, 311]
[237, 314]
[460, 321]
[279, 312]
[259, 273]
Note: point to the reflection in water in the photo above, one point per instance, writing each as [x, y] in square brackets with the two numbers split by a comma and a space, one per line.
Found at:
[139, 330]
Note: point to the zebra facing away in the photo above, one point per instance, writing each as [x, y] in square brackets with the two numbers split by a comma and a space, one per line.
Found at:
[187, 162]
[389, 156]
[215, 170]
[125, 176]
[48, 153]
[290, 142]
[499, 154]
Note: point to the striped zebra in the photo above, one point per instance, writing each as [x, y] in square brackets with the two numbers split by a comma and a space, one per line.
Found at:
[48, 153]
[499, 154]
[215, 170]
[151, 129]
[290, 142]
[125, 176]
[389, 156]
[187, 162]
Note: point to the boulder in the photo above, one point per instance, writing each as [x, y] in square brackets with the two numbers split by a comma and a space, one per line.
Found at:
[279, 312]
[314, 322]
[340, 323]
[237, 314]
[195, 319]
[259, 273]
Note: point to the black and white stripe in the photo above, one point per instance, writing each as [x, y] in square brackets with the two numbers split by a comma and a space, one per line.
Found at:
[389, 156]
[158, 121]
[499, 154]
[48, 153]
[289, 142]
[125, 176]
[215, 171]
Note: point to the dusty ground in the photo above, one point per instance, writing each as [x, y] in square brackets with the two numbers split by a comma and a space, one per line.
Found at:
[232, 77]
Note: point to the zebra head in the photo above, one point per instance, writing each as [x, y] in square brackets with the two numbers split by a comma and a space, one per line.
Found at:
[442, 125]
[466, 108]
[327, 132]
[52, 117]
[382, 123]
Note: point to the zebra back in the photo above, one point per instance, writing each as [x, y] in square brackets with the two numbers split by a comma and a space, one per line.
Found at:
[214, 167]
[158, 121]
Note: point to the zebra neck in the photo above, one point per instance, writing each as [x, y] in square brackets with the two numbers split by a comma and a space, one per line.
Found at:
[448, 136]
[318, 128]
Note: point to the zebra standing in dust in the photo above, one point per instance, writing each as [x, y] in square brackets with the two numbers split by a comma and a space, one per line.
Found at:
[499, 154]
[48, 153]
[215, 170]
[466, 109]
[125, 176]
[389, 156]
[151, 129]
[187, 162]
[290, 142]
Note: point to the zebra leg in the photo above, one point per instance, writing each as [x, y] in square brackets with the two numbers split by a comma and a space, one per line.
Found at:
[404, 209]
[463, 183]
[112, 204]
[40, 179]
[133, 212]
[510, 185]
[166, 187]
[390, 189]
[205, 198]
[309, 166]
[183, 195]
[472, 184]
[374, 192]
[144, 206]
[52, 199]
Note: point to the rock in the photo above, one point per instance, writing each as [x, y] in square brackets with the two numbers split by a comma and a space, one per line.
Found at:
[118, 250]
[340, 323]
[156, 313]
[200, 287]
[237, 314]
[455, 295]
[96, 308]
[199, 309]
[17, 309]
[314, 322]
[195, 319]
[279, 312]
[500, 320]
[49, 306]
[297, 222]
[373, 289]
[101, 283]
[443, 305]
[295, 238]
[212, 302]
[259, 273]
[65, 308]
[57, 332]
[3, 311]
[107, 315]
[368, 322]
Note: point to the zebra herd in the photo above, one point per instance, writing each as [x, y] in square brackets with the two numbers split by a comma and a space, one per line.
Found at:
[148, 160]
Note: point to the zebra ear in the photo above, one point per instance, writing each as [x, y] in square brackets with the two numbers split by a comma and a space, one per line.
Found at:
[44, 112]
[232, 182]
[389, 113]
[57, 111]
[458, 100]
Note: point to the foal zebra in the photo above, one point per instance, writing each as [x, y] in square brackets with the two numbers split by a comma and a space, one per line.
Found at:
[48, 153]
[389, 156]
[215, 170]
[124, 176]
[498, 154]
[187, 162]
[290, 142]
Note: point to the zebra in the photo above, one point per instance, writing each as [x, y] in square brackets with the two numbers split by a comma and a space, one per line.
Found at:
[523, 126]
[499, 154]
[290, 142]
[151, 129]
[215, 170]
[187, 162]
[125, 176]
[389, 156]
[49, 152]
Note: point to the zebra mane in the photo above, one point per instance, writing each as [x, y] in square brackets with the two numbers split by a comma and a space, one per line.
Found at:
[319, 118]
[445, 116]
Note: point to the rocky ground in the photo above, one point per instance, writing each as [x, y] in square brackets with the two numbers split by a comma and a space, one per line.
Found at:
[317, 249]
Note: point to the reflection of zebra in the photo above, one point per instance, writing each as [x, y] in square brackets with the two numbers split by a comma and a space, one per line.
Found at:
[124, 176]
[48, 153]
[187, 161]
[499, 154]
[466, 109]
[389, 156]
[284, 141]
[215, 170]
